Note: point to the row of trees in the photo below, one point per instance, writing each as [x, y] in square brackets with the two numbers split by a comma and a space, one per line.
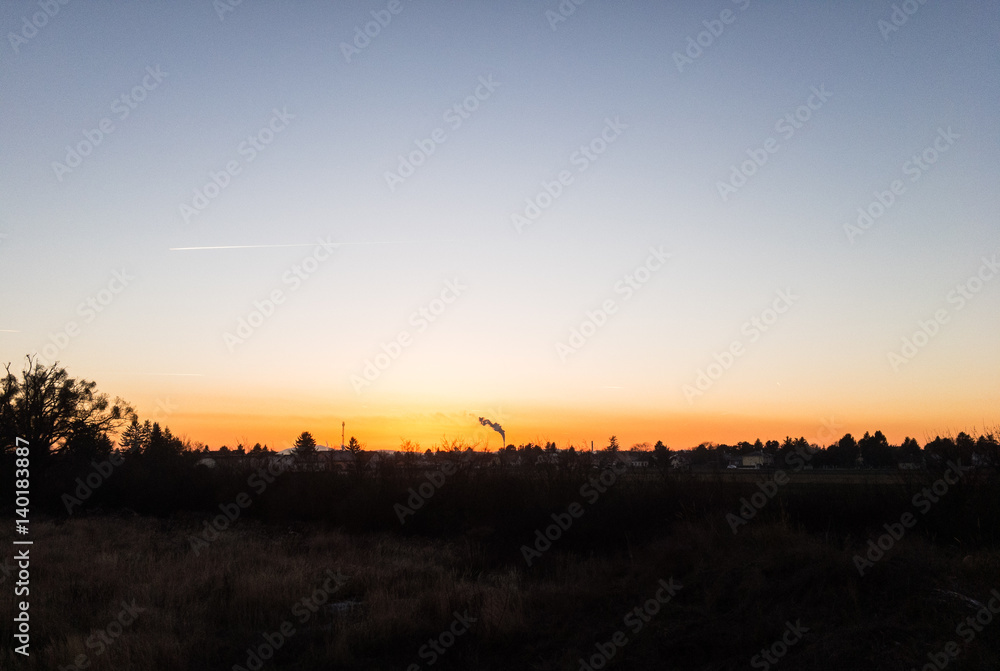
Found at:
[61, 415]
[870, 451]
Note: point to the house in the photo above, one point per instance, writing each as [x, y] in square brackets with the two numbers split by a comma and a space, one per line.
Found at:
[634, 459]
[339, 461]
[326, 458]
[758, 459]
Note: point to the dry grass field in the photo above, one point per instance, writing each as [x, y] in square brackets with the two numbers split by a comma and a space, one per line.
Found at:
[378, 599]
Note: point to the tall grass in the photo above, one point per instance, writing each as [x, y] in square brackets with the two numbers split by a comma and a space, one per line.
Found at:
[203, 611]
[462, 552]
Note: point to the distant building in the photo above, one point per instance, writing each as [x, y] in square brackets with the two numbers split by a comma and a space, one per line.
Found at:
[325, 459]
[758, 459]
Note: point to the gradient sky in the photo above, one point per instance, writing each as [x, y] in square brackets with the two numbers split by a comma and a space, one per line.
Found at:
[160, 342]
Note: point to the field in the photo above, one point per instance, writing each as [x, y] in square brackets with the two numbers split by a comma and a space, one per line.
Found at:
[121, 590]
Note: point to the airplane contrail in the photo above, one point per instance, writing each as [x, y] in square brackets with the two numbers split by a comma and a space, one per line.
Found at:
[309, 244]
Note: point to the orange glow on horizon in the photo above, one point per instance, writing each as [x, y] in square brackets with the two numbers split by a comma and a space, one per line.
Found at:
[678, 431]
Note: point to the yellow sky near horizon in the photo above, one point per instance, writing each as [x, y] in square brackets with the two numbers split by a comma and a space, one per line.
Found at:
[565, 427]
[214, 412]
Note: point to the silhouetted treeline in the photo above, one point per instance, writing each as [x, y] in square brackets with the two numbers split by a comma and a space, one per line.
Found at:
[91, 455]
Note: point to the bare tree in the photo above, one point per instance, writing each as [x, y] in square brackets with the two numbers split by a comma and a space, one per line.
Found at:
[47, 408]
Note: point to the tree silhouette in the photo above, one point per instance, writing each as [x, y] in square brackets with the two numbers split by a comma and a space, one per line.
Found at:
[988, 448]
[661, 456]
[875, 451]
[88, 443]
[940, 451]
[51, 411]
[305, 445]
[357, 451]
[162, 444]
[135, 437]
[845, 453]
[909, 450]
[965, 445]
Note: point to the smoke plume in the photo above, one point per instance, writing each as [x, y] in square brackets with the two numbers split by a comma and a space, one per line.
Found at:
[496, 427]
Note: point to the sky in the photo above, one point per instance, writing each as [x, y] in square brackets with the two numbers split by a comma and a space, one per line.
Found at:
[682, 221]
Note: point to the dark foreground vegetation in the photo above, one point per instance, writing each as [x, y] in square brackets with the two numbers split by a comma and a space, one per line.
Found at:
[734, 596]
[211, 588]
[144, 558]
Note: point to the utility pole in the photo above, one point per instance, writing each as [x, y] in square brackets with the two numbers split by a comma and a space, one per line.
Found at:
[342, 434]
